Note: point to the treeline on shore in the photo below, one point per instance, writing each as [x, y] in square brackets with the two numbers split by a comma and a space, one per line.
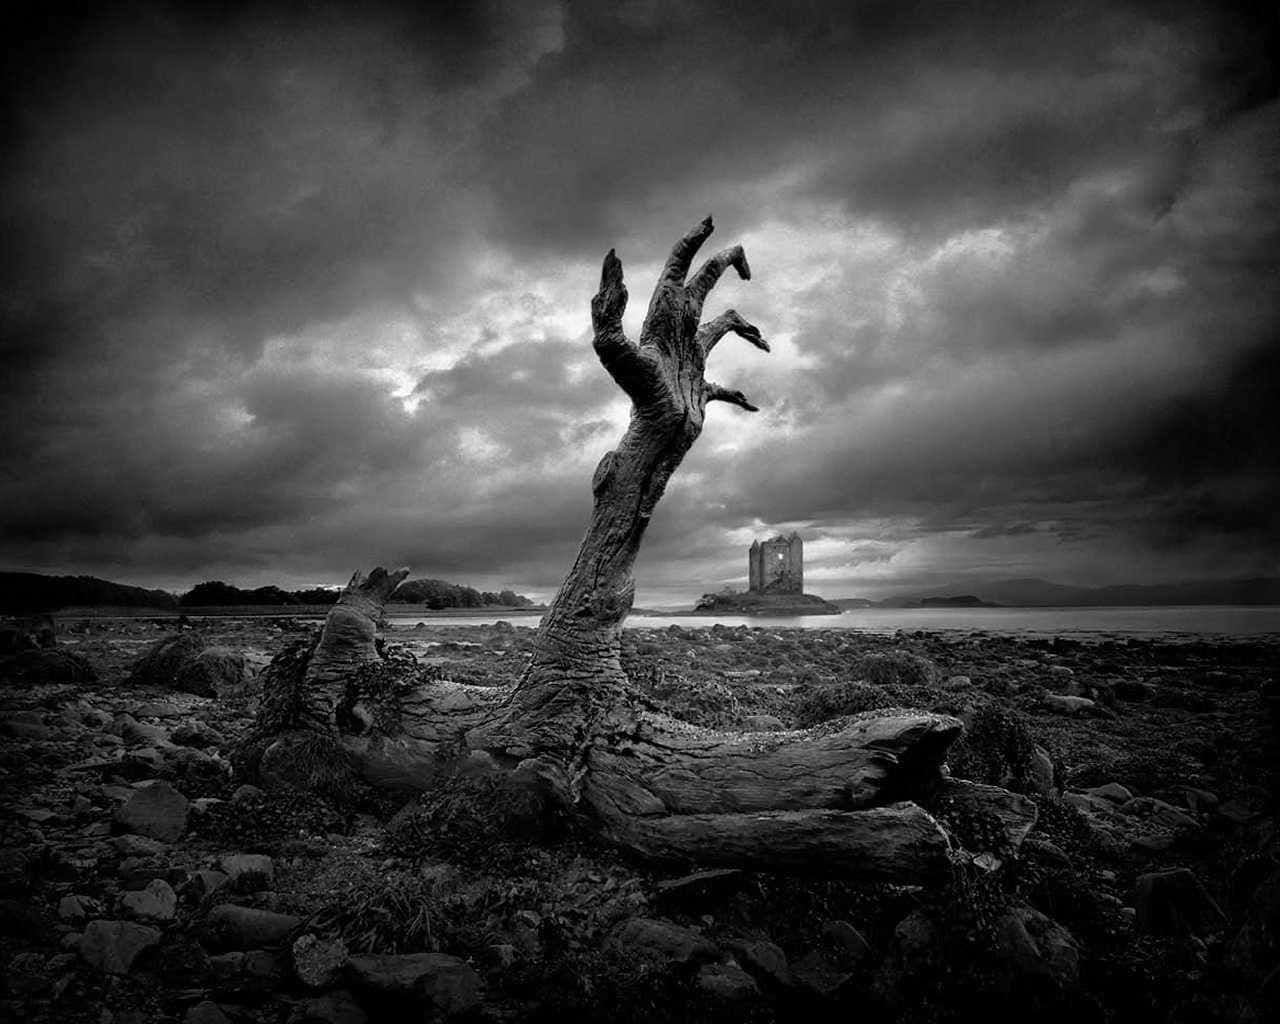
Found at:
[24, 592]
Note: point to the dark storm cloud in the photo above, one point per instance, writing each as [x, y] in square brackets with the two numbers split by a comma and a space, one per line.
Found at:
[932, 116]
[293, 288]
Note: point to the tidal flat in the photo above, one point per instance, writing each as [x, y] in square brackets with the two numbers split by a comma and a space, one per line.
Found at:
[141, 879]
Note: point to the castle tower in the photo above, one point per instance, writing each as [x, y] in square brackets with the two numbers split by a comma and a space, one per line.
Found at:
[776, 566]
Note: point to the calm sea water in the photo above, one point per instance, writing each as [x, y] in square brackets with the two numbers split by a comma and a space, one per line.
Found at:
[1151, 623]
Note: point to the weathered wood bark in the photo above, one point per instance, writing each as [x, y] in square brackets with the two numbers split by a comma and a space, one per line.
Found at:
[347, 642]
[576, 675]
[837, 798]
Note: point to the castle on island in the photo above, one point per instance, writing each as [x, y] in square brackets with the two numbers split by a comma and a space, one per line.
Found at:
[776, 566]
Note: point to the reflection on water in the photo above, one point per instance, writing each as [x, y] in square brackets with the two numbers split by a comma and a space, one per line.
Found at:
[1204, 620]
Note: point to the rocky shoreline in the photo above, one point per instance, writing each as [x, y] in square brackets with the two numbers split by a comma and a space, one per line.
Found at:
[141, 880]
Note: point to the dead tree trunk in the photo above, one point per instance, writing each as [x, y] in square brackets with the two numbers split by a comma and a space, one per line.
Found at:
[837, 799]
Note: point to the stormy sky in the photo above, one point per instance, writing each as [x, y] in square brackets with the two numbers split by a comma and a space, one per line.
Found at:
[294, 289]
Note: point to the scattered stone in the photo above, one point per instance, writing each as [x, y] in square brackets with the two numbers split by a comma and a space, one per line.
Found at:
[26, 975]
[138, 734]
[449, 985]
[1089, 804]
[764, 959]
[206, 881]
[248, 872]
[157, 902]
[1033, 945]
[1042, 778]
[156, 810]
[1046, 852]
[70, 909]
[1159, 812]
[192, 769]
[197, 734]
[131, 845]
[818, 974]
[318, 962]
[28, 730]
[1201, 801]
[1112, 791]
[1237, 812]
[213, 671]
[338, 1007]
[1174, 902]
[662, 941]
[763, 723]
[726, 982]
[912, 952]
[844, 939]
[113, 946]
[158, 709]
[1134, 691]
[206, 1012]
[1067, 705]
[232, 927]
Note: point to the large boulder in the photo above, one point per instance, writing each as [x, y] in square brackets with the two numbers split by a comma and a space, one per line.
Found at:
[1174, 902]
[155, 810]
[658, 941]
[186, 663]
[45, 665]
[113, 946]
[233, 927]
[445, 984]
[1036, 949]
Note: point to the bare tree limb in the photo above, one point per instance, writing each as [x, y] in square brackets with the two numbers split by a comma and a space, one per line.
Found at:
[632, 371]
[716, 393]
[677, 266]
[705, 279]
[729, 322]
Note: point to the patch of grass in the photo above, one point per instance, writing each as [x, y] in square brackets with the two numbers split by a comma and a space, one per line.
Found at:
[385, 913]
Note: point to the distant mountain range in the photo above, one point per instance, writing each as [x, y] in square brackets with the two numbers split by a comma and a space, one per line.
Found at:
[1036, 593]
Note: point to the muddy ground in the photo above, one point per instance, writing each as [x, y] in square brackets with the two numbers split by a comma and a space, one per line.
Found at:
[141, 879]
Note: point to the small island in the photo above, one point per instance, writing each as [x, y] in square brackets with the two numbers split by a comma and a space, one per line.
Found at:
[775, 571]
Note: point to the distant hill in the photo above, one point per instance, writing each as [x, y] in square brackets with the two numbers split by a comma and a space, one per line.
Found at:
[442, 594]
[216, 594]
[25, 592]
[1037, 593]
[22, 592]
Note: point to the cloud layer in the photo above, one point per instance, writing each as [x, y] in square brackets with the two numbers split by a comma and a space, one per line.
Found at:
[291, 293]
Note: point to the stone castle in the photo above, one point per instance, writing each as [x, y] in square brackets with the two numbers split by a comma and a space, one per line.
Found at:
[776, 566]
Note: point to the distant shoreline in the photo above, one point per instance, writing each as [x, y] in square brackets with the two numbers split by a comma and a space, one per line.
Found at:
[274, 611]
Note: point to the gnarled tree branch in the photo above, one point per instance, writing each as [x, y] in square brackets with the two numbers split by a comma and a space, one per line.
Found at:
[633, 371]
[729, 322]
[716, 393]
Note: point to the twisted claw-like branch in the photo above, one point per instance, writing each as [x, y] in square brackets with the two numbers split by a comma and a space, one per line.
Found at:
[716, 393]
[729, 322]
[677, 266]
[705, 279]
[634, 373]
